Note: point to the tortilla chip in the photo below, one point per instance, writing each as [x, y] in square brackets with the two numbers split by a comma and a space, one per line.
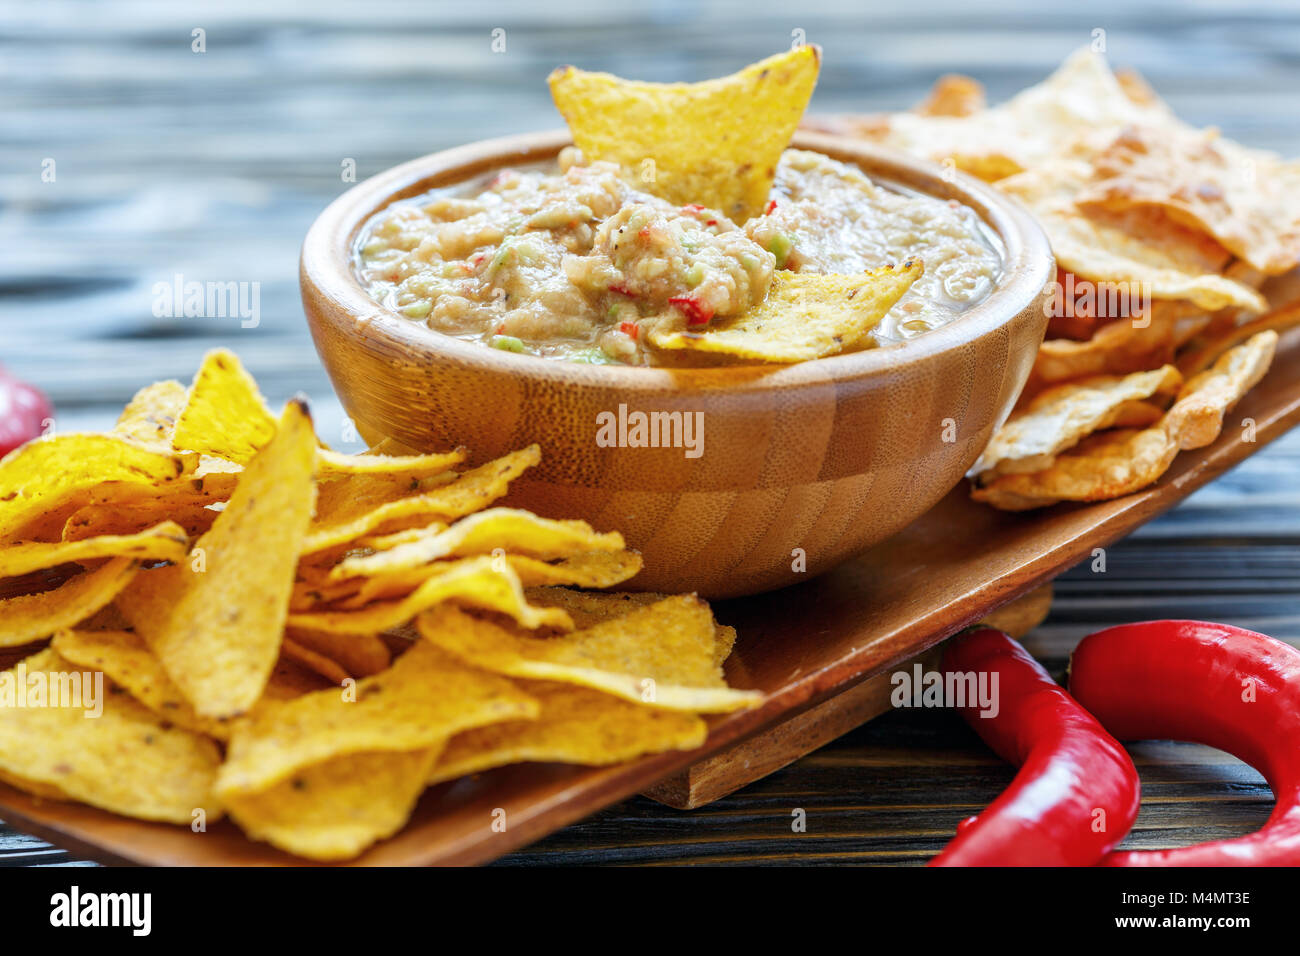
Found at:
[335, 809]
[57, 470]
[1059, 417]
[1248, 200]
[1114, 463]
[189, 512]
[804, 316]
[217, 627]
[30, 617]
[359, 655]
[424, 698]
[596, 569]
[715, 143]
[574, 725]
[1141, 249]
[166, 541]
[227, 417]
[126, 660]
[127, 759]
[482, 582]
[329, 669]
[151, 414]
[592, 607]
[344, 517]
[662, 655]
[509, 529]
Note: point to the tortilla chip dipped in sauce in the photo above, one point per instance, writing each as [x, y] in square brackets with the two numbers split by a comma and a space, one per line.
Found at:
[681, 210]
[715, 143]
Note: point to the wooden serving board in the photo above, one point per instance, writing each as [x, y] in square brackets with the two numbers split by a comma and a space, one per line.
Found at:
[802, 646]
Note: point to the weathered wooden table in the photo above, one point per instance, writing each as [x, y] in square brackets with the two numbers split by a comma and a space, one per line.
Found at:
[210, 165]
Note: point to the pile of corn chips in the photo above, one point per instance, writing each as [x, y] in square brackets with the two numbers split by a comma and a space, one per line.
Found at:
[1164, 236]
[305, 640]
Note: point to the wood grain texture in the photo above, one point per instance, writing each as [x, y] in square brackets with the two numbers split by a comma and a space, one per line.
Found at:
[214, 165]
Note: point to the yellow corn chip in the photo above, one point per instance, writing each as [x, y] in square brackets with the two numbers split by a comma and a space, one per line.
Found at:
[127, 662]
[313, 661]
[151, 415]
[190, 514]
[805, 316]
[360, 655]
[574, 725]
[57, 470]
[424, 698]
[226, 417]
[216, 621]
[166, 541]
[126, 759]
[29, 617]
[592, 607]
[506, 529]
[1118, 462]
[335, 809]
[482, 582]
[1059, 417]
[715, 143]
[353, 507]
[663, 655]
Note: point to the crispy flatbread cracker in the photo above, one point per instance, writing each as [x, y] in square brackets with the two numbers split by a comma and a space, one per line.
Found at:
[716, 143]
[574, 725]
[804, 316]
[216, 621]
[1118, 462]
[953, 95]
[662, 655]
[1044, 122]
[1247, 199]
[1138, 248]
[1059, 417]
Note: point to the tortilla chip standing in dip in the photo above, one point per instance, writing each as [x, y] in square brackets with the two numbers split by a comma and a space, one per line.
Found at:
[680, 231]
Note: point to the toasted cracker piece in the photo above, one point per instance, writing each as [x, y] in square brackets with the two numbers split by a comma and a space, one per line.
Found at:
[1112, 463]
[1060, 417]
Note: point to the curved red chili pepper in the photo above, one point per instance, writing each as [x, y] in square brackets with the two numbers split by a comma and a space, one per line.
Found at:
[1214, 684]
[24, 412]
[1077, 792]
[696, 312]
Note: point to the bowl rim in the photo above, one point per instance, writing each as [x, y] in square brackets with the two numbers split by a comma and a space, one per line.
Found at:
[326, 267]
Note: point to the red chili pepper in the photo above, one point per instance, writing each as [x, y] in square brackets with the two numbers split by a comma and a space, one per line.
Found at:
[622, 290]
[696, 312]
[1077, 792]
[630, 329]
[692, 207]
[771, 207]
[1214, 684]
[24, 412]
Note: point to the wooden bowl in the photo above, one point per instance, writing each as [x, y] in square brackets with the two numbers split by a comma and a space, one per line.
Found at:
[802, 465]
